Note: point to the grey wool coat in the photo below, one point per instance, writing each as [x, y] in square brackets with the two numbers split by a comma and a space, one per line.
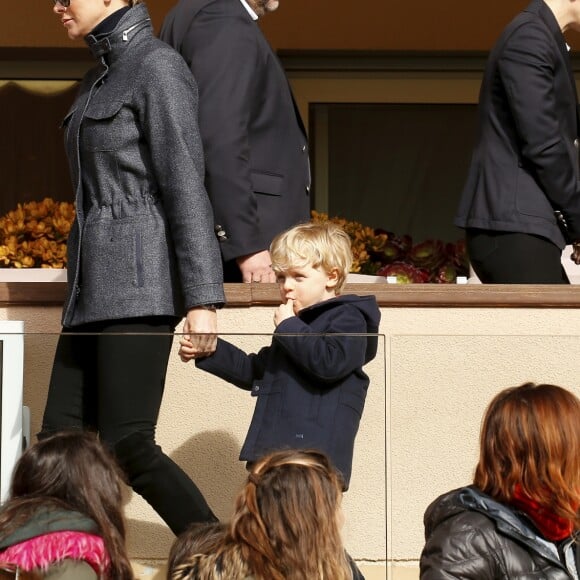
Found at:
[143, 241]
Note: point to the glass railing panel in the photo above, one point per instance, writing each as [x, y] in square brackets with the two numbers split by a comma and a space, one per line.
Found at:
[203, 422]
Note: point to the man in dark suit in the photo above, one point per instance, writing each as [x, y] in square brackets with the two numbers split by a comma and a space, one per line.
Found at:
[256, 152]
[521, 202]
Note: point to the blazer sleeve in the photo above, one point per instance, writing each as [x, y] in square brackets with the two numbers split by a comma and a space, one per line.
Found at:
[226, 60]
[527, 68]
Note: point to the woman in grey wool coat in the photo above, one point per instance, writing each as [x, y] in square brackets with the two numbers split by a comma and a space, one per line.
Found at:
[142, 251]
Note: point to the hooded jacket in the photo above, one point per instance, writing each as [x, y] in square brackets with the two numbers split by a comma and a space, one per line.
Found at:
[473, 537]
[309, 383]
[56, 538]
[143, 242]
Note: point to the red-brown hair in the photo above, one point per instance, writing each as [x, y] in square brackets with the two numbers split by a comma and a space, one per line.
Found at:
[530, 437]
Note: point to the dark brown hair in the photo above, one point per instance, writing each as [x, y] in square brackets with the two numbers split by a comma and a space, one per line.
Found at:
[530, 437]
[71, 470]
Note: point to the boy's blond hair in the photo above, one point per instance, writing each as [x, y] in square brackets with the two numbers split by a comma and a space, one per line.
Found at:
[323, 245]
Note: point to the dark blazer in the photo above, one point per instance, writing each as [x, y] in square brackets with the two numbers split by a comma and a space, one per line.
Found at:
[309, 384]
[256, 153]
[525, 163]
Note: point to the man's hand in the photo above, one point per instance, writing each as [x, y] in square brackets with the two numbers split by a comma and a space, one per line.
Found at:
[575, 256]
[256, 267]
[199, 334]
[284, 311]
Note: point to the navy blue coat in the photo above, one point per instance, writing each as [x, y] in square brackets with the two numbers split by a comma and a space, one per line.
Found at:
[309, 383]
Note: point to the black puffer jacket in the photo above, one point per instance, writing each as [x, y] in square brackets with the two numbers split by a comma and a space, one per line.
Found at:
[471, 536]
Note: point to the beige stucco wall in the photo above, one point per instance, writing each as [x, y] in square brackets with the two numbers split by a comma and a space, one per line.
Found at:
[202, 426]
[437, 369]
[444, 365]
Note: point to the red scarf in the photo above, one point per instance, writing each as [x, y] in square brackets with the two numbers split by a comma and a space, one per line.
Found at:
[551, 526]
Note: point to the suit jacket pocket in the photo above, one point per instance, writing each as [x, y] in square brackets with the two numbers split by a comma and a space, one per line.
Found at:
[267, 183]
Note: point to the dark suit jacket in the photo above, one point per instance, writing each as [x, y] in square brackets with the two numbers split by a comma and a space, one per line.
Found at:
[257, 168]
[525, 163]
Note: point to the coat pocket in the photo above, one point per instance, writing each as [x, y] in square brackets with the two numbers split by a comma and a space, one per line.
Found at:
[65, 122]
[354, 400]
[103, 126]
[266, 422]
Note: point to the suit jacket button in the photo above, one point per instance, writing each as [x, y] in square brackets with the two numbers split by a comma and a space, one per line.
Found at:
[255, 388]
[303, 148]
[220, 233]
[307, 189]
[576, 142]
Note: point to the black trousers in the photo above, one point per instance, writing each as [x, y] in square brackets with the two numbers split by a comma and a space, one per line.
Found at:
[514, 258]
[109, 377]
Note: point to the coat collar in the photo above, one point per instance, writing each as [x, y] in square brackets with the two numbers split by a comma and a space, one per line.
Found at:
[510, 523]
[109, 47]
[48, 519]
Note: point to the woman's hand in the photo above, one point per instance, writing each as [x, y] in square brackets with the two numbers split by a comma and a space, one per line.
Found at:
[199, 334]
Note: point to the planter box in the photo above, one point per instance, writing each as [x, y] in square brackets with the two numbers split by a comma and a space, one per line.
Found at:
[32, 275]
[367, 279]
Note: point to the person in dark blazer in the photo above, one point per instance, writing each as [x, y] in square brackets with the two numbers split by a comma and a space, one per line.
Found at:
[256, 151]
[521, 202]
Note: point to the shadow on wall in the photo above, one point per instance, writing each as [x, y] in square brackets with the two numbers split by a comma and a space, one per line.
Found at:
[215, 453]
[223, 478]
[209, 457]
[38, 357]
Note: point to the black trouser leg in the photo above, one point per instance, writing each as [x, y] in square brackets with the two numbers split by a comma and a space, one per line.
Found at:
[514, 258]
[114, 382]
[162, 483]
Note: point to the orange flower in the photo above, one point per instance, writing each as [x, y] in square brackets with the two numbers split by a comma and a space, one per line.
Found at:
[364, 241]
[34, 234]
